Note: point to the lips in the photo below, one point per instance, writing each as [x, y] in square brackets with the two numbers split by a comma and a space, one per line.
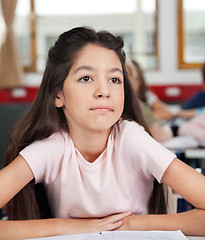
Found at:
[102, 108]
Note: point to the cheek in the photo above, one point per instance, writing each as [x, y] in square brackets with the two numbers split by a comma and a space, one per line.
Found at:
[72, 103]
[73, 106]
[120, 101]
[73, 96]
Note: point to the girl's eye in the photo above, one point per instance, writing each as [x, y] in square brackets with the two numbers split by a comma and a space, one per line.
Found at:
[115, 80]
[85, 79]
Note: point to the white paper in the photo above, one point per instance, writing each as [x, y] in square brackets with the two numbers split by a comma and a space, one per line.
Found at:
[144, 235]
[123, 235]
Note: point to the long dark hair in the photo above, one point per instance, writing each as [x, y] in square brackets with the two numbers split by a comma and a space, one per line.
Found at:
[143, 85]
[44, 118]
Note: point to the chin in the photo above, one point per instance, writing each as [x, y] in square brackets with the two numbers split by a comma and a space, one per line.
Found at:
[101, 127]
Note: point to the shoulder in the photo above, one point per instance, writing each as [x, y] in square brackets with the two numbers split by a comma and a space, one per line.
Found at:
[198, 96]
[142, 151]
[197, 100]
[55, 137]
[45, 155]
[129, 128]
[200, 93]
[129, 134]
[52, 143]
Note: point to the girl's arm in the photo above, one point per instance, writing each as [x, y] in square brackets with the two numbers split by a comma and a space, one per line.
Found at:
[161, 111]
[17, 230]
[12, 179]
[191, 186]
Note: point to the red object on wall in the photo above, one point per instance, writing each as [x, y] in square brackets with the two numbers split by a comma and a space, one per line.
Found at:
[4, 96]
[175, 93]
[18, 95]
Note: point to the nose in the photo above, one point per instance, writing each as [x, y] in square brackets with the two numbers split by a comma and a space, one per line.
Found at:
[102, 90]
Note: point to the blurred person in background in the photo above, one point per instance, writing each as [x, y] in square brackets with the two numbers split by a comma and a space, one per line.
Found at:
[196, 104]
[195, 128]
[144, 94]
[159, 131]
[198, 99]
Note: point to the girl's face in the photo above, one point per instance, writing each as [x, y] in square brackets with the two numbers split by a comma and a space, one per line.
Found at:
[93, 92]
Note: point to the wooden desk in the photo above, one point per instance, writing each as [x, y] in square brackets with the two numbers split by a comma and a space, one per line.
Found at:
[195, 153]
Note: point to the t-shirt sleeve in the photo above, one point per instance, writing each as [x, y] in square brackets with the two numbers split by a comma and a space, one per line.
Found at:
[146, 156]
[44, 157]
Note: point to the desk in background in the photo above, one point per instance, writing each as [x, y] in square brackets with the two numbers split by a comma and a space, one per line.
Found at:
[198, 155]
[195, 153]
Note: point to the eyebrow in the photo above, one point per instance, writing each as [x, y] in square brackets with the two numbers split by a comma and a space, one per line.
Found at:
[83, 68]
[89, 68]
[112, 70]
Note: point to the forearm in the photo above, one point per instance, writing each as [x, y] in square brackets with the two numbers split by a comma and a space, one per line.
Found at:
[161, 111]
[51, 227]
[30, 229]
[188, 114]
[190, 223]
[45, 228]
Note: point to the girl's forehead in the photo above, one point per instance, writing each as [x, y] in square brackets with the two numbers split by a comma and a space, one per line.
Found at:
[96, 55]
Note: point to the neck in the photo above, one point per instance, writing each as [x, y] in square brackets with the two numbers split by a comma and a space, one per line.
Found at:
[90, 145]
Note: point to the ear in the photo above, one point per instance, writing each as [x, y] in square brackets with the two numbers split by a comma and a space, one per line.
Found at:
[59, 101]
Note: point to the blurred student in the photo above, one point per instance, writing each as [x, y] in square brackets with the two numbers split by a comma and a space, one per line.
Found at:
[194, 127]
[196, 104]
[140, 87]
[198, 100]
[160, 132]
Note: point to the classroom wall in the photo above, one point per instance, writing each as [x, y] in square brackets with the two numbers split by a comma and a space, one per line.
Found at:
[168, 72]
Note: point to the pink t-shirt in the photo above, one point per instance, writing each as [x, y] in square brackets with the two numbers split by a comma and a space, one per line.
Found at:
[120, 179]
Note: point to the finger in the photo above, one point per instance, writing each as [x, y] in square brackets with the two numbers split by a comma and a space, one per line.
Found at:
[114, 221]
[118, 217]
[113, 226]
